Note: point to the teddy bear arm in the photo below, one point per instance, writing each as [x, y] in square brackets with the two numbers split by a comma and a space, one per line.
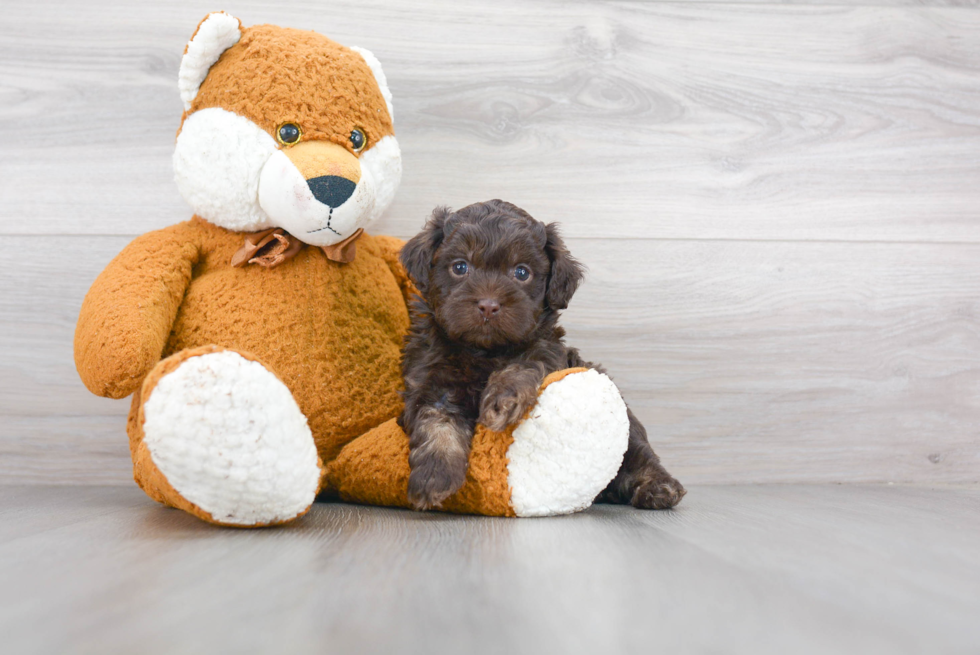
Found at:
[128, 313]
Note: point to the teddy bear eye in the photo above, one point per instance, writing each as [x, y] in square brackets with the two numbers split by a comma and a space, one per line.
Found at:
[288, 133]
[459, 268]
[358, 139]
[522, 273]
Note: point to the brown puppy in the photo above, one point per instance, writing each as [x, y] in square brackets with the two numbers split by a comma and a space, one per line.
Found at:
[484, 335]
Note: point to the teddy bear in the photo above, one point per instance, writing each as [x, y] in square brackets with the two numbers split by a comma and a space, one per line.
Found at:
[260, 340]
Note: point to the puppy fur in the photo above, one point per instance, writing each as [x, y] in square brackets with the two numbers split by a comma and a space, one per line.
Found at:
[484, 335]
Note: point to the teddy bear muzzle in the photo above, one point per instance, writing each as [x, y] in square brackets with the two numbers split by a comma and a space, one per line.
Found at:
[317, 191]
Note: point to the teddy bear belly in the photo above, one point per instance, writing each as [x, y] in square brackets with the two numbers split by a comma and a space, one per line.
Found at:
[331, 333]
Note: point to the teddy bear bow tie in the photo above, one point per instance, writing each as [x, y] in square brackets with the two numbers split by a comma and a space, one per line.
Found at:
[272, 247]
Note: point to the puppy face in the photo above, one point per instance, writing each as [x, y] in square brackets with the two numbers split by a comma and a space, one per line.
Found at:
[489, 272]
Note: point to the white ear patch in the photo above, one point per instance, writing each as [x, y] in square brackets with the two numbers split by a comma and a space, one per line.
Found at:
[217, 33]
[379, 76]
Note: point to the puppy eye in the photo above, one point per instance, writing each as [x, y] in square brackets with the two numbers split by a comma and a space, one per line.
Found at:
[288, 133]
[358, 139]
[522, 273]
[459, 268]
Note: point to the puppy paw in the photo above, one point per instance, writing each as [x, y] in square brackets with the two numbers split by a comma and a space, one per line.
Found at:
[433, 481]
[500, 410]
[658, 493]
[508, 396]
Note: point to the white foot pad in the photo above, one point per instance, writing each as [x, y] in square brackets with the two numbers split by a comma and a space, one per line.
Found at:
[230, 438]
[570, 447]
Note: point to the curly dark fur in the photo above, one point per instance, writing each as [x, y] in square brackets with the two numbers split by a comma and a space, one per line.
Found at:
[482, 340]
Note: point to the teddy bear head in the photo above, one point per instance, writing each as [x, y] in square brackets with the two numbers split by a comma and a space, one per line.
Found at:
[284, 128]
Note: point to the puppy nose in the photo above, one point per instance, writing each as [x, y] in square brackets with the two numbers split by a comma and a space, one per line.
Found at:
[488, 307]
[331, 190]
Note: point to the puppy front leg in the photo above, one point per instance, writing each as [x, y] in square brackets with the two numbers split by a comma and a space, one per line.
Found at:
[509, 393]
[439, 451]
[642, 481]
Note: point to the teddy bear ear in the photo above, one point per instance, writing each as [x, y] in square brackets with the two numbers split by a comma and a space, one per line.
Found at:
[379, 76]
[215, 34]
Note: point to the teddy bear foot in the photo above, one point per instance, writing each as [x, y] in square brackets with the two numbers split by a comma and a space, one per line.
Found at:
[223, 438]
[570, 445]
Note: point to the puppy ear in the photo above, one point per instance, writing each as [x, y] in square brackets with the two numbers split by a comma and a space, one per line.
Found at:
[416, 255]
[566, 271]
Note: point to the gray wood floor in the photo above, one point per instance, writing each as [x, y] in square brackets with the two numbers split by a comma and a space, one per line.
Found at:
[780, 209]
[735, 569]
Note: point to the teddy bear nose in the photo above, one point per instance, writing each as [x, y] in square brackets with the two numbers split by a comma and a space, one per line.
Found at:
[488, 307]
[331, 190]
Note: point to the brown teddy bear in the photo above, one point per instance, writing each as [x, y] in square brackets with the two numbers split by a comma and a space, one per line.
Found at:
[260, 340]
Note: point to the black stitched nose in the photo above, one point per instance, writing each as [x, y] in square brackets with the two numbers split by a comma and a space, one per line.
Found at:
[331, 190]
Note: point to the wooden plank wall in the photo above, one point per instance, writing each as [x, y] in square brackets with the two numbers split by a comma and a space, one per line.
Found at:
[779, 205]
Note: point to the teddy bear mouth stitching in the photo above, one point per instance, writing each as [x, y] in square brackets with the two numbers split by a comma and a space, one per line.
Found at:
[327, 227]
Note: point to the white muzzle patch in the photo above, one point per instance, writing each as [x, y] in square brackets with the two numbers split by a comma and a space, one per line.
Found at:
[285, 195]
[287, 198]
[232, 173]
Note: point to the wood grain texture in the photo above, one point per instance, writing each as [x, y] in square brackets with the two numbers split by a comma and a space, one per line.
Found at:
[778, 569]
[65, 450]
[747, 361]
[642, 119]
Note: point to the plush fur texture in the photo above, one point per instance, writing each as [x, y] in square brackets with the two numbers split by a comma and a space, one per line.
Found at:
[379, 76]
[237, 372]
[240, 85]
[215, 34]
[484, 335]
[288, 198]
[546, 470]
[261, 76]
[230, 439]
[331, 332]
[225, 490]
[218, 162]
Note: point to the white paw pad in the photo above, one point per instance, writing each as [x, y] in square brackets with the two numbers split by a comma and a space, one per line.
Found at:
[229, 437]
[570, 447]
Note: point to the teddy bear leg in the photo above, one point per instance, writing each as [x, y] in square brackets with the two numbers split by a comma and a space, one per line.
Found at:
[556, 461]
[215, 433]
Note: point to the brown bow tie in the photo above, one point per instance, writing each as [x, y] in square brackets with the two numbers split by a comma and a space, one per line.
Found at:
[271, 247]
